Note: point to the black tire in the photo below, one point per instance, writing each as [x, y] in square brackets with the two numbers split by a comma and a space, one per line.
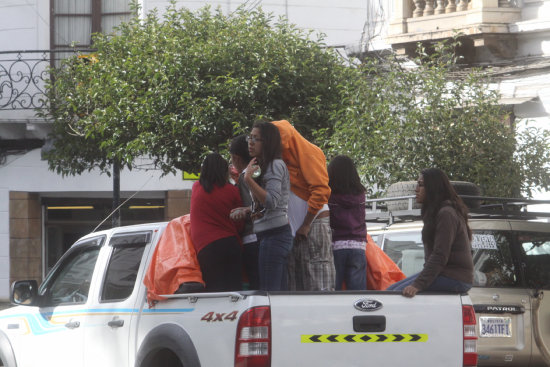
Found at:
[167, 345]
[406, 188]
[7, 356]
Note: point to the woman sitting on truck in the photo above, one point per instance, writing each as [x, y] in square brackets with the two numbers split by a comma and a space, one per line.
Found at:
[446, 236]
[214, 235]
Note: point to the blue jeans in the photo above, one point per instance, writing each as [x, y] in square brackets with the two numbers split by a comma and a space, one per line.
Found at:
[275, 246]
[351, 268]
[440, 284]
[250, 261]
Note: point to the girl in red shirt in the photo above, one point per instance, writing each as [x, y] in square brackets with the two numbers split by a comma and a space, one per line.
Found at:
[214, 235]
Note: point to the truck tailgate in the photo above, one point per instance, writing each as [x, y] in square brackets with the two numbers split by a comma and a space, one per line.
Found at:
[327, 329]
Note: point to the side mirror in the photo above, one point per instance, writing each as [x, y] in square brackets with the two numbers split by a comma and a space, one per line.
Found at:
[24, 293]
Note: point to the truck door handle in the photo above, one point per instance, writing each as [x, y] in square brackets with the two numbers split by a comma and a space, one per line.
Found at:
[72, 324]
[116, 323]
[369, 323]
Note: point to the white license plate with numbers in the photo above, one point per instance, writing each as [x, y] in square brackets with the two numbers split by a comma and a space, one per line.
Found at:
[495, 327]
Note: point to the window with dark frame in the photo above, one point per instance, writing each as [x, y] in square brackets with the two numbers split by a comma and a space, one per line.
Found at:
[72, 22]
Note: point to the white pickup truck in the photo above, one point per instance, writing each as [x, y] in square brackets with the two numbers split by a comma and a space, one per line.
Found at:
[91, 310]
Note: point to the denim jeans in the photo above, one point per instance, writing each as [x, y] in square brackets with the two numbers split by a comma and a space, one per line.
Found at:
[250, 261]
[440, 284]
[351, 268]
[275, 246]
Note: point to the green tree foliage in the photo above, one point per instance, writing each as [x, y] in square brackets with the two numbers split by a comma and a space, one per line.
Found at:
[403, 117]
[177, 86]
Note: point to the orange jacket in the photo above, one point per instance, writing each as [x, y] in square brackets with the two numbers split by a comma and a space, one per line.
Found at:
[307, 167]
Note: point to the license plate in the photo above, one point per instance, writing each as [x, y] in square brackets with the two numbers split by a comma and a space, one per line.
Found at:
[495, 327]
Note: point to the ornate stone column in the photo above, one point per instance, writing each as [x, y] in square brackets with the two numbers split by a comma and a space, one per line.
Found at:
[418, 8]
[429, 8]
[451, 6]
[462, 5]
[440, 9]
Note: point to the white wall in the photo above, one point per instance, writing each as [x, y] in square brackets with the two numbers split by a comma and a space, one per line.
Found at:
[24, 25]
[37, 178]
[341, 20]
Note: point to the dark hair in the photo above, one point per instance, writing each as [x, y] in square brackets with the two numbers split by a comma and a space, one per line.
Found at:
[438, 189]
[214, 171]
[239, 147]
[343, 177]
[271, 143]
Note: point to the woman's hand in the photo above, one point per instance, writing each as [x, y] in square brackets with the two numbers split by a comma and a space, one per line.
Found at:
[303, 231]
[251, 168]
[239, 214]
[410, 291]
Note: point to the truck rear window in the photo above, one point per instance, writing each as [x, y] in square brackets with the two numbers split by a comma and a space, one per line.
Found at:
[123, 265]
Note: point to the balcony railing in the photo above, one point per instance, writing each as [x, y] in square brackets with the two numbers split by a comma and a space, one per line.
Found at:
[485, 22]
[23, 75]
[424, 8]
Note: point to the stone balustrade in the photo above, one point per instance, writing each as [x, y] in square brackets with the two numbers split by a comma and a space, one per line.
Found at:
[431, 20]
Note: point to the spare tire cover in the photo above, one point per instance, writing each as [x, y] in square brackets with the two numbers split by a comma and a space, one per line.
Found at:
[406, 188]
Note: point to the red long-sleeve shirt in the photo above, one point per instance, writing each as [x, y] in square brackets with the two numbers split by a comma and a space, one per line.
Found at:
[210, 214]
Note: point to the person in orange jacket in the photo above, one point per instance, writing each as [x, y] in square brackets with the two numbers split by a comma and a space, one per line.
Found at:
[311, 262]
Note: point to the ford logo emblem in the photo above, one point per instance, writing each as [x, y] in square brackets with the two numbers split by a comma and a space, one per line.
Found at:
[367, 305]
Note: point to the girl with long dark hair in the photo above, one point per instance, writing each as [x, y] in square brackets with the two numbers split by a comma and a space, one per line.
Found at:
[240, 157]
[446, 236]
[347, 221]
[214, 235]
[270, 191]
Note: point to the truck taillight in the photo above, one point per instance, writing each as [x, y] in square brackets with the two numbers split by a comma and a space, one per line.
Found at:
[470, 337]
[253, 346]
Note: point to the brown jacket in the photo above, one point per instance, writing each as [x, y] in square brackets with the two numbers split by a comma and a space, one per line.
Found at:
[450, 254]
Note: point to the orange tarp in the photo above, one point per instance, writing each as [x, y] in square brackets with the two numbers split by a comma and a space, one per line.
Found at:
[174, 261]
[381, 270]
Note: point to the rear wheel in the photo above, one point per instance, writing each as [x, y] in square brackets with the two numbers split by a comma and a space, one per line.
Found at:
[164, 358]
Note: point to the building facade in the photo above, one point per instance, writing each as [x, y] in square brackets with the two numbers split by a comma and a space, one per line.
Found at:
[510, 39]
[42, 213]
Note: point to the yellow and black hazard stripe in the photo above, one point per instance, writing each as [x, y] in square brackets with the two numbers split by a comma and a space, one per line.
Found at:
[364, 338]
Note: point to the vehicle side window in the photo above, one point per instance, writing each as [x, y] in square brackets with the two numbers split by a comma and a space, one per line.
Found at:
[493, 265]
[123, 265]
[406, 250]
[69, 282]
[536, 247]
